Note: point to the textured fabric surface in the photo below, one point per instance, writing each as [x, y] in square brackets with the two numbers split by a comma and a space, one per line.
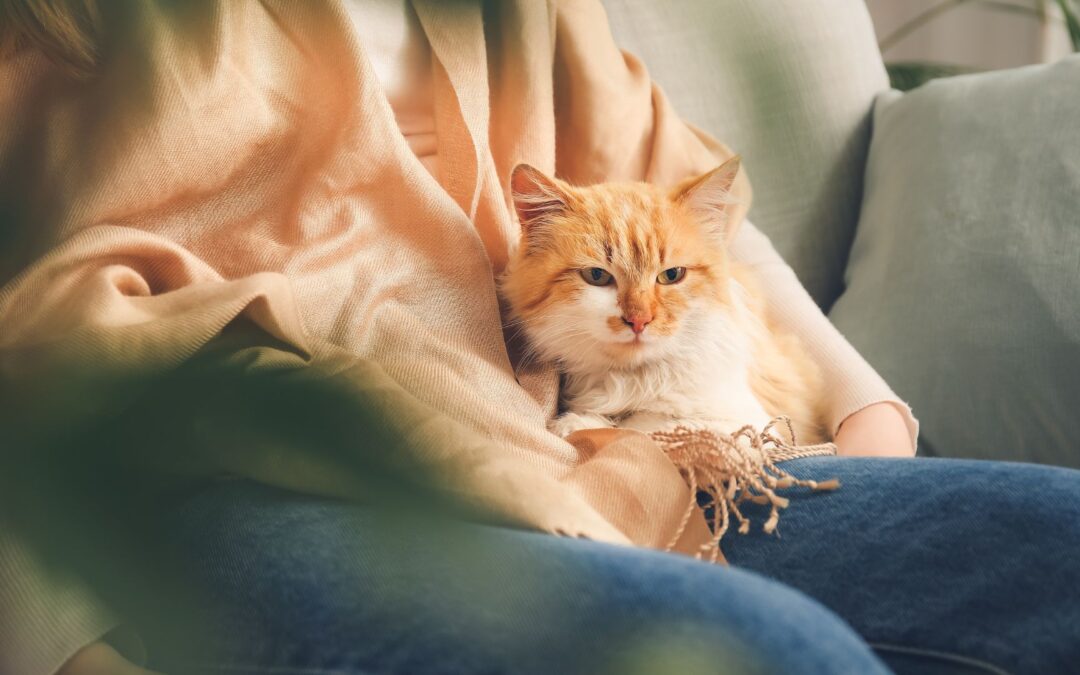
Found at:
[789, 85]
[400, 57]
[42, 612]
[965, 272]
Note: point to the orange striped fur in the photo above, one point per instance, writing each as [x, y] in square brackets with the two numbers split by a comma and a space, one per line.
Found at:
[636, 350]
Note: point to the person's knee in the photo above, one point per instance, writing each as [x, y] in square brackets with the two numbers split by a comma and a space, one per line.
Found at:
[654, 604]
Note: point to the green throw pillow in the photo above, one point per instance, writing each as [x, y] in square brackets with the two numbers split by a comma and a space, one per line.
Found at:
[963, 285]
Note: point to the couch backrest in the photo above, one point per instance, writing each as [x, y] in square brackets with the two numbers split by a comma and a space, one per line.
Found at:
[789, 85]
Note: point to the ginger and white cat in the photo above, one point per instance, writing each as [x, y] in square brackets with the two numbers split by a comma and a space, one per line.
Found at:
[629, 289]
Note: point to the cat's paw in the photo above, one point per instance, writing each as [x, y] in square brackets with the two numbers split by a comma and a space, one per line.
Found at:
[649, 422]
[568, 423]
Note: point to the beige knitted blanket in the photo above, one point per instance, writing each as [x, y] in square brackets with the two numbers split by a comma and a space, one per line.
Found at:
[242, 167]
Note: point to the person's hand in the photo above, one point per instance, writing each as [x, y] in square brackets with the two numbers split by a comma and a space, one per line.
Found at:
[877, 430]
[101, 659]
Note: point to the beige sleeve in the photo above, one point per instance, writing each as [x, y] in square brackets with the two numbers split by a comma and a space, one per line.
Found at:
[44, 619]
[851, 382]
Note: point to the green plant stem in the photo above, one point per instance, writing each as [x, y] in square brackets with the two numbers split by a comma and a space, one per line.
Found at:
[1015, 9]
[1072, 22]
[919, 20]
[939, 9]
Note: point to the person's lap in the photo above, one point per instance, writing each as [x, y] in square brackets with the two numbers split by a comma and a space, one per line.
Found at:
[974, 559]
[932, 555]
[311, 585]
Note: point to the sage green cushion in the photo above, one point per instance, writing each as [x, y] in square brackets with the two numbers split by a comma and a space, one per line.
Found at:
[789, 85]
[964, 278]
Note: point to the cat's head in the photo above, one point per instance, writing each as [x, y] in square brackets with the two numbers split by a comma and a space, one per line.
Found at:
[616, 275]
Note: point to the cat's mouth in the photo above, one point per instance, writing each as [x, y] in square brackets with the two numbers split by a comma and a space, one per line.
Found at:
[632, 352]
[635, 342]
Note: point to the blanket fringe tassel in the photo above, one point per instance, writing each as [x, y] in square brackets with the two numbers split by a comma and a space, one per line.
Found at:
[736, 468]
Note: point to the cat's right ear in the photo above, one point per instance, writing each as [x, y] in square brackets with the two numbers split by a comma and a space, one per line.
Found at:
[712, 198]
[537, 197]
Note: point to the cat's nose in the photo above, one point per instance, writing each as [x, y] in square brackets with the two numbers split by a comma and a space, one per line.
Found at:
[637, 322]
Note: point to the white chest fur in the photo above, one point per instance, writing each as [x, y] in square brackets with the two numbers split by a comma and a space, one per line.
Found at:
[704, 381]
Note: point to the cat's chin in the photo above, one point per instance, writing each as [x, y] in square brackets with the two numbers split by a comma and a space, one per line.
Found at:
[632, 353]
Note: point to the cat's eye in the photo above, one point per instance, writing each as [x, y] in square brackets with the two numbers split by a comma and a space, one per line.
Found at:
[671, 275]
[597, 276]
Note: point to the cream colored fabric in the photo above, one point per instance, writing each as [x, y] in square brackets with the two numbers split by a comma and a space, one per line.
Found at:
[44, 618]
[400, 57]
[256, 171]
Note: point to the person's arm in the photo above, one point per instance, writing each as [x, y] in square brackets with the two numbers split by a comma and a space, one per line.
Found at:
[878, 430]
[863, 413]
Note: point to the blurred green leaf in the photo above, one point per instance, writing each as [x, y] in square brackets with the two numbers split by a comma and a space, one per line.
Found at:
[1069, 9]
[905, 76]
[92, 463]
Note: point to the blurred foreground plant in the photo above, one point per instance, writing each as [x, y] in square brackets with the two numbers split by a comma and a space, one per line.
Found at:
[93, 462]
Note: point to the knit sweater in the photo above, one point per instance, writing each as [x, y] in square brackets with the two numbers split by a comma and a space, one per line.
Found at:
[250, 166]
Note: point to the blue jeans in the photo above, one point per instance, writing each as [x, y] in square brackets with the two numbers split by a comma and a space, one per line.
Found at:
[930, 566]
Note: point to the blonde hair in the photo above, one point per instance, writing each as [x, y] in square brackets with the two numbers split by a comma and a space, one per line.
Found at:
[66, 31]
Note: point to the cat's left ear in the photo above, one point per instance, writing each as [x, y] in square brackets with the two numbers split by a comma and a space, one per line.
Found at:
[713, 200]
